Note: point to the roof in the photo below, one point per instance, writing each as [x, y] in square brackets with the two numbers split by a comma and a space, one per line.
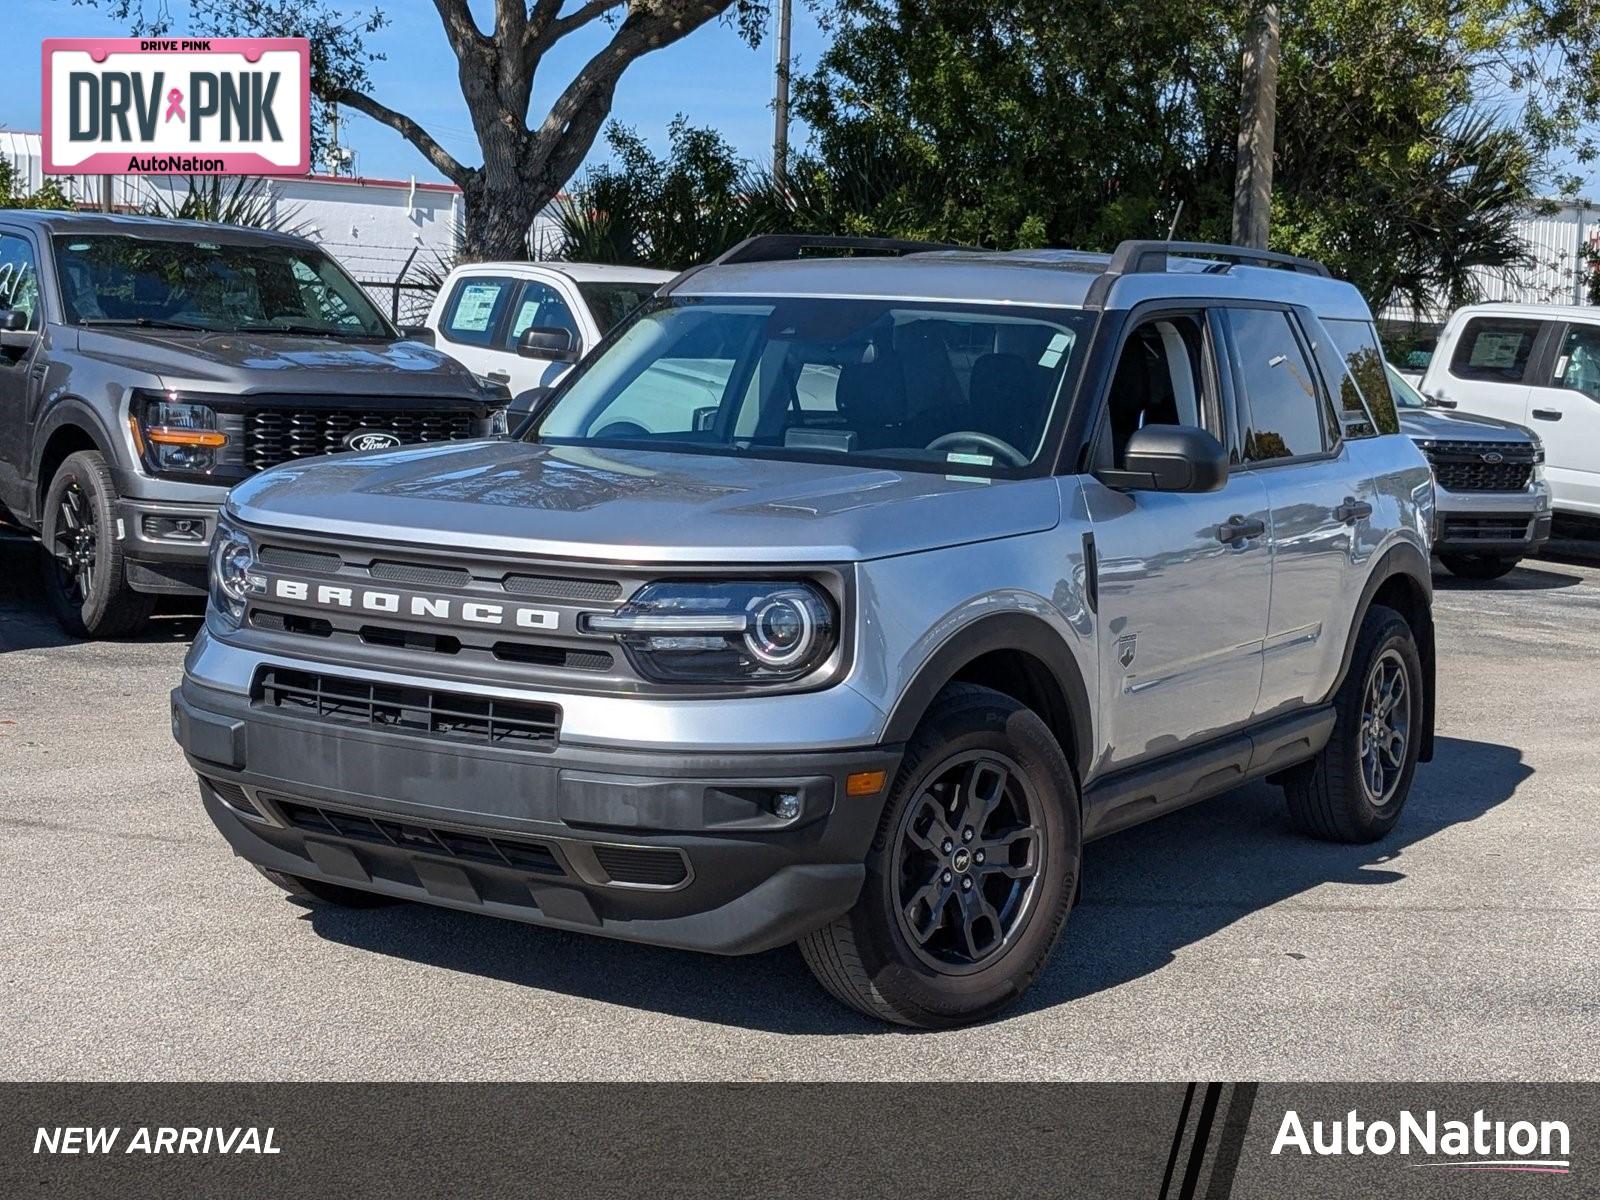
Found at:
[1508, 308]
[576, 271]
[1041, 278]
[51, 221]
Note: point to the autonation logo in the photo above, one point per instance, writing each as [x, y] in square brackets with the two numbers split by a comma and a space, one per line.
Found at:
[1480, 1144]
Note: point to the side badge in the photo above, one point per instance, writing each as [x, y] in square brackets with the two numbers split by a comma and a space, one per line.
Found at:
[1126, 648]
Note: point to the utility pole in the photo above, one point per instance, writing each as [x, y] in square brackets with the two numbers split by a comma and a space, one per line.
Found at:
[108, 199]
[780, 99]
[1258, 120]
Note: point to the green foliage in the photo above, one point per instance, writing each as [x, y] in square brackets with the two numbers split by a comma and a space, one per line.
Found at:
[48, 196]
[244, 200]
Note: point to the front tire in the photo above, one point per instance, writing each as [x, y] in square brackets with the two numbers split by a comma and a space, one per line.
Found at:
[84, 574]
[1355, 788]
[1478, 566]
[971, 874]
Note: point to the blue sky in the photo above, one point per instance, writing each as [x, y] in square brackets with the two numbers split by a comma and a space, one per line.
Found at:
[711, 76]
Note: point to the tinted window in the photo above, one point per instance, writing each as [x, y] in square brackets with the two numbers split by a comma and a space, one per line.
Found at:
[1284, 417]
[610, 302]
[267, 287]
[474, 309]
[1578, 364]
[1494, 348]
[930, 387]
[19, 278]
[1357, 342]
[540, 304]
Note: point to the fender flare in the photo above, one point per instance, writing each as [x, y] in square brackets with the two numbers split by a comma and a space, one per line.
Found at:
[1408, 559]
[1017, 631]
[79, 414]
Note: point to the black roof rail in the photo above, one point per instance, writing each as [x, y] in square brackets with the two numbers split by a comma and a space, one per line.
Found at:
[1147, 257]
[780, 247]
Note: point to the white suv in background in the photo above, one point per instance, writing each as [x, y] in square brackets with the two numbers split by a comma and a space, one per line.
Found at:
[524, 324]
[1536, 365]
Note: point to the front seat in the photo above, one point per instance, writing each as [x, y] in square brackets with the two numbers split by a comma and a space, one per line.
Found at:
[1006, 399]
[871, 397]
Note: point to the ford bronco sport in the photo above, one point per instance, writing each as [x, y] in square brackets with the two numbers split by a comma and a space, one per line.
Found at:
[976, 557]
[147, 365]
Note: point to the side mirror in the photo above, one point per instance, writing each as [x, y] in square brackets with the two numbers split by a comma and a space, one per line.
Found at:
[549, 342]
[417, 333]
[1169, 458]
[529, 405]
[14, 331]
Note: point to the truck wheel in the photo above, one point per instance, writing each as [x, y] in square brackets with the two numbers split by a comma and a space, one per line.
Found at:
[970, 876]
[1354, 789]
[83, 567]
[1478, 566]
[317, 891]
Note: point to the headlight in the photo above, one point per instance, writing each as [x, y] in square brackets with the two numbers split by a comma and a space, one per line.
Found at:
[497, 423]
[177, 436]
[757, 632]
[232, 573]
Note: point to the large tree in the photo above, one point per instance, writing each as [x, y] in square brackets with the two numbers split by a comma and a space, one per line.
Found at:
[527, 159]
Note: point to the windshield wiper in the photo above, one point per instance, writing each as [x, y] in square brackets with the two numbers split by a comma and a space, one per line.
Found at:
[148, 323]
[310, 331]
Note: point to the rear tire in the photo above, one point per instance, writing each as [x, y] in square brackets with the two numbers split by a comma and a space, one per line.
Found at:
[971, 875]
[1354, 790]
[85, 577]
[318, 891]
[1478, 566]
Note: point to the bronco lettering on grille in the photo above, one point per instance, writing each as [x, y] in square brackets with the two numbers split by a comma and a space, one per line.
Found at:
[439, 608]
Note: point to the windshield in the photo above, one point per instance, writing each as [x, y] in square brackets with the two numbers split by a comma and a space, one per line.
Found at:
[114, 279]
[610, 302]
[924, 386]
[1405, 395]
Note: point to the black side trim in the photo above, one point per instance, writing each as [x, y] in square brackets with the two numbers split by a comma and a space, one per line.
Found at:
[1004, 631]
[1140, 793]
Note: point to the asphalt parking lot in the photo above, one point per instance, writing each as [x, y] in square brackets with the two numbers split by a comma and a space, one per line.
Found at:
[1212, 944]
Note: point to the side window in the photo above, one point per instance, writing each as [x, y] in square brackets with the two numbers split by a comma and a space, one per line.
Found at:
[539, 304]
[474, 309]
[1160, 380]
[1284, 416]
[19, 278]
[1578, 364]
[1358, 342]
[1496, 349]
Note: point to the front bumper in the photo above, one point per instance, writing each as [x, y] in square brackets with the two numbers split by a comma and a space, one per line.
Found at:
[1505, 524]
[672, 849]
[165, 543]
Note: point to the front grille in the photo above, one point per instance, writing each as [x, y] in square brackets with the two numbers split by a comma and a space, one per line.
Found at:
[1488, 529]
[299, 560]
[551, 588]
[642, 865]
[419, 576]
[279, 435]
[1460, 466]
[517, 853]
[441, 714]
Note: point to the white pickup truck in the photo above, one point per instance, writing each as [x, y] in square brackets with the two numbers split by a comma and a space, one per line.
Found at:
[524, 324]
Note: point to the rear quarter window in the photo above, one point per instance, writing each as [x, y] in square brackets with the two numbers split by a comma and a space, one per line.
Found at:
[1494, 349]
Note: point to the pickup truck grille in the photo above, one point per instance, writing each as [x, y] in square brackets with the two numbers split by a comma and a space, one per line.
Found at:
[1464, 466]
[274, 435]
[426, 711]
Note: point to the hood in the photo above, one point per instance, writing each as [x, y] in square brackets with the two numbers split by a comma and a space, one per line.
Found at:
[638, 506]
[1446, 425]
[249, 362]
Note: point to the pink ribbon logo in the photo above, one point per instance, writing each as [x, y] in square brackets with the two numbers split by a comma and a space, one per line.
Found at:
[175, 105]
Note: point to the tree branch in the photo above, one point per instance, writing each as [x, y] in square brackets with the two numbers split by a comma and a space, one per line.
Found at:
[577, 19]
[419, 137]
[459, 27]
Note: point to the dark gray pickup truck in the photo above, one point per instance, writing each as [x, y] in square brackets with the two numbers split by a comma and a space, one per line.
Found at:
[146, 366]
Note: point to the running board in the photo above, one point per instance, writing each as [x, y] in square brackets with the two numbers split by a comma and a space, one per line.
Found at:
[1138, 794]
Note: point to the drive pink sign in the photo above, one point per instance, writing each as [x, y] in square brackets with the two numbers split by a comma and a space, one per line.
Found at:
[177, 106]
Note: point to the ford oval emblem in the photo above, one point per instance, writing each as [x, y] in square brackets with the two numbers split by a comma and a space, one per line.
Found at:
[370, 439]
[1494, 456]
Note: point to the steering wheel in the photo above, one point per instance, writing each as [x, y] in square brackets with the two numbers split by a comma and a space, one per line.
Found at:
[975, 437]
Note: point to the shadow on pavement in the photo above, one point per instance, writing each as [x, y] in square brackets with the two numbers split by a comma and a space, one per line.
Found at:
[1148, 893]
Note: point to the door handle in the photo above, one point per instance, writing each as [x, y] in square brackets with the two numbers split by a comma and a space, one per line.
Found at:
[1238, 530]
[499, 376]
[1546, 414]
[1352, 510]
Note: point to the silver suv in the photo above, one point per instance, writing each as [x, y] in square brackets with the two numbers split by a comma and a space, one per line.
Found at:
[840, 599]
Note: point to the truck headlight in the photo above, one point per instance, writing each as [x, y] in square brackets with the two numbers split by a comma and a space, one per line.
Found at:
[232, 573]
[177, 436]
[734, 632]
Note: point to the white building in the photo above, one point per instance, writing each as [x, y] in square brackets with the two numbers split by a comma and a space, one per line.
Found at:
[378, 228]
